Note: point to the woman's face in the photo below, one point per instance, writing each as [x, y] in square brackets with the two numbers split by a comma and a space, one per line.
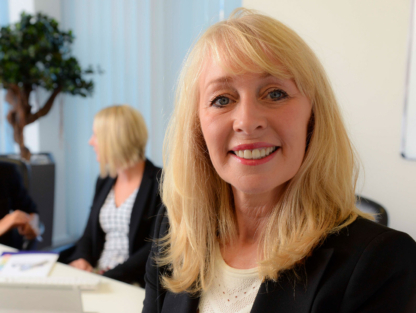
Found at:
[255, 128]
[94, 143]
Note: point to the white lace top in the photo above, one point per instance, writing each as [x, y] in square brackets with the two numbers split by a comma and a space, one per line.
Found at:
[233, 290]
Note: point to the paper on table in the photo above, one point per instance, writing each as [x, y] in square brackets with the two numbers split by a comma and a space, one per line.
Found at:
[26, 264]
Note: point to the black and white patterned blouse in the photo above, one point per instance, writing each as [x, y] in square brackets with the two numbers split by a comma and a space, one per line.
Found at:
[115, 223]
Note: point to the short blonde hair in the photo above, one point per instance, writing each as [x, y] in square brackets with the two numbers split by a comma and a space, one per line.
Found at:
[122, 136]
[318, 201]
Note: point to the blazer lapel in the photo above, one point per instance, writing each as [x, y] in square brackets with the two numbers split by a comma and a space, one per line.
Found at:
[285, 296]
[180, 303]
[96, 208]
[140, 203]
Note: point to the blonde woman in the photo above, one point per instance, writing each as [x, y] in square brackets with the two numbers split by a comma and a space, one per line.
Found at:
[259, 189]
[126, 198]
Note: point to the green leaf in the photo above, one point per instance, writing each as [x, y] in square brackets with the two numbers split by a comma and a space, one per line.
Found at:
[35, 51]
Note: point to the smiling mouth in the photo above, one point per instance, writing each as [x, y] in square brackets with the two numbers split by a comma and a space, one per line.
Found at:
[255, 154]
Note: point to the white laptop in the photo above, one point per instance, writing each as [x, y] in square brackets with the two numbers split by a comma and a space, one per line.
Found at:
[25, 299]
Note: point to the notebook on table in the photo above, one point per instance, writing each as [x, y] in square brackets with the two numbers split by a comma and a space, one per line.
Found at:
[26, 263]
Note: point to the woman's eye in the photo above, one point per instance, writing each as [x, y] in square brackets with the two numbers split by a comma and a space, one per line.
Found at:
[277, 94]
[221, 101]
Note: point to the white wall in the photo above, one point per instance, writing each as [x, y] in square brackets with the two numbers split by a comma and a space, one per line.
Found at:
[363, 46]
[409, 125]
[16, 7]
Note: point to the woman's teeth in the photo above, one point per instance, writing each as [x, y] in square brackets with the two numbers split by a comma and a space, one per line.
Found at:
[255, 153]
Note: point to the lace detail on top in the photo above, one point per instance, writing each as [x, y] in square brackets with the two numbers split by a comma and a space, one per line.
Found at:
[232, 291]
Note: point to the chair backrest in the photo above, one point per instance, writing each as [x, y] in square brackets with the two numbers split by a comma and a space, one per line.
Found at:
[369, 206]
[22, 166]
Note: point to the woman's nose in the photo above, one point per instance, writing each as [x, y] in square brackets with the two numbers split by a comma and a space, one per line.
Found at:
[249, 117]
[90, 141]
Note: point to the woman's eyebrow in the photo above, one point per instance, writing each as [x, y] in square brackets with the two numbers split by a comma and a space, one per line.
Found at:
[226, 80]
[281, 81]
[220, 81]
[266, 75]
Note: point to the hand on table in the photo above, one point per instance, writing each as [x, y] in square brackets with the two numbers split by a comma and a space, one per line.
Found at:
[82, 264]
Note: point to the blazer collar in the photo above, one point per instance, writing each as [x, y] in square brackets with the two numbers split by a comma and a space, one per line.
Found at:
[283, 296]
[96, 208]
[140, 202]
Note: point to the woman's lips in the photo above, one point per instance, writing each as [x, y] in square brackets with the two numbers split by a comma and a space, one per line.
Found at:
[254, 153]
[255, 156]
[252, 146]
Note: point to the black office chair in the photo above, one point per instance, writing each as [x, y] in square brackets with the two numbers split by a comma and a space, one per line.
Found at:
[371, 207]
[22, 166]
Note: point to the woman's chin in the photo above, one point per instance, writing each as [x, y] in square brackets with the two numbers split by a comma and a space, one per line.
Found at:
[256, 188]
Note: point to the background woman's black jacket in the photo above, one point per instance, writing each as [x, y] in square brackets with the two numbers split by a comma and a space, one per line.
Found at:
[142, 221]
[364, 268]
[13, 196]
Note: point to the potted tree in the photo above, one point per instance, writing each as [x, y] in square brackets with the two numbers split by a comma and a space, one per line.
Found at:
[35, 53]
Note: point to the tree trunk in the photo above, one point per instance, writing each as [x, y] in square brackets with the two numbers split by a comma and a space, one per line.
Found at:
[20, 113]
[17, 117]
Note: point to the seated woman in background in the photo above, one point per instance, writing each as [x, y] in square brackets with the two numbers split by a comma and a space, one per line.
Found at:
[126, 200]
[259, 189]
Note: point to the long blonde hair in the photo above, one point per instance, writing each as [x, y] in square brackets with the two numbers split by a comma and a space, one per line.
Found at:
[122, 135]
[318, 201]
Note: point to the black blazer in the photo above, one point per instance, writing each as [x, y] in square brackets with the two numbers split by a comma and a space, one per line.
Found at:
[13, 196]
[142, 221]
[364, 268]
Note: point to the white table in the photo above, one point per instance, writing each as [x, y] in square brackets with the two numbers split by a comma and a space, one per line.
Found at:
[111, 296]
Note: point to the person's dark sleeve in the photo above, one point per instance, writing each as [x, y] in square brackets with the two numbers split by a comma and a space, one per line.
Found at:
[384, 279]
[154, 291]
[18, 193]
[133, 269]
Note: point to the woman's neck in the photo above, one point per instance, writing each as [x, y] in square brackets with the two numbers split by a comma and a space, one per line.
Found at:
[252, 213]
[131, 174]
[127, 181]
